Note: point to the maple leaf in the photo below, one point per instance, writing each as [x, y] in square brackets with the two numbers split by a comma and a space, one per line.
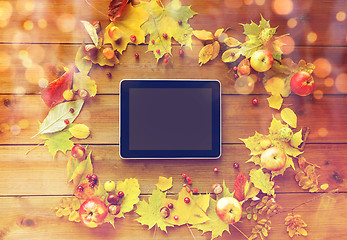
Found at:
[225, 193]
[150, 212]
[80, 171]
[165, 23]
[101, 60]
[53, 93]
[252, 143]
[82, 81]
[214, 225]
[115, 9]
[164, 183]
[59, 141]
[131, 189]
[262, 181]
[126, 25]
[191, 213]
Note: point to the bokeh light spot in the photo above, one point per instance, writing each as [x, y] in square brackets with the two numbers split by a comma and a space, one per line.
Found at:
[23, 123]
[42, 23]
[244, 85]
[260, 2]
[28, 25]
[5, 10]
[292, 23]
[341, 16]
[15, 129]
[341, 82]
[323, 67]
[36, 53]
[34, 74]
[233, 3]
[323, 132]
[318, 94]
[282, 7]
[66, 22]
[289, 44]
[248, 2]
[43, 82]
[19, 90]
[311, 37]
[5, 61]
[329, 82]
[25, 7]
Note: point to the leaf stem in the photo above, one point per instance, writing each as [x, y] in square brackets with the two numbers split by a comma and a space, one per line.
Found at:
[239, 231]
[31, 149]
[191, 232]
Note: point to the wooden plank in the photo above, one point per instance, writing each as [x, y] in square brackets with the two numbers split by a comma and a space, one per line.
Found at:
[63, 20]
[28, 64]
[325, 117]
[33, 218]
[38, 174]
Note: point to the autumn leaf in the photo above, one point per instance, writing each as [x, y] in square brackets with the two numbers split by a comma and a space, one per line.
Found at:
[81, 63]
[275, 101]
[164, 183]
[231, 55]
[80, 131]
[262, 181]
[128, 24]
[275, 126]
[253, 143]
[91, 30]
[82, 81]
[87, 191]
[214, 225]
[131, 189]
[84, 168]
[289, 117]
[115, 9]
[295, 225]
[72, 164]
[241, 187]
[289, 163]
[53, 93]
[225, 193]
[187, 213]
[205, 54]
[296, 140]
[101, 60]
[59, 141]
[232, 42]
[150, 211]
[203, 35]
[165, 23]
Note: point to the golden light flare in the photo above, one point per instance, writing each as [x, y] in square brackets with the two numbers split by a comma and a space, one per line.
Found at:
[248, 2]
[15, 130]
[5, 61]
[341, 82]
[34, 73]
[3, 23]
[25, 7]
[42, 23]
[282, 7]
[36, 53]
[66, 22]
[289, 44]
[318, 94]
[19, 90]
[43, 82]
[323, 132]
[28, 25]
[329, 82]
[260, 2]
[292, 23]
[341, 16]
[323, 67]
[244, 85]
[6, 10]
[23, 123]
[233, 3]
[312, 37]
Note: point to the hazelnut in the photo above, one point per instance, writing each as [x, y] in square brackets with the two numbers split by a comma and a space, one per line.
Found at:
[90, 50]
[217, 188]
[164, 212]
[84, 94]
[114, 209]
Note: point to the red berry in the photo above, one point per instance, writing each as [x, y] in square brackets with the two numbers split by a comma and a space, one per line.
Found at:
[180, 52]
[236, 75]
[91, 185]
[235, 68]
[72, 110]
[176, 218]
[188, 191]
[164, 35]
[187, 200]
[167, 55]
[188, 178]
[236, 165]
[157, 51]
[80, 189]
[255, 101]
[66, 121]
[190, 182]
[152, 41]
[94, 177]
[184, 175]
[215, 169]
[195, 190]
[179, 22]
[120, 194]
[137, 55]
[170, 205]
[88, 176]
[166, 60]
[133, 38]
[184, 185]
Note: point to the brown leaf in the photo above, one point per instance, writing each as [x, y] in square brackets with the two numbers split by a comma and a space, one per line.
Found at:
[115, 9]
[302, 162]
[299, 175]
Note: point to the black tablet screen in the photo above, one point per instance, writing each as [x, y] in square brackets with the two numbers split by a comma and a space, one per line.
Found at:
[170, 118]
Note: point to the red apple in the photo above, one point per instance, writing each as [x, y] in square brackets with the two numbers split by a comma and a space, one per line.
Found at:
[262, 60]
[93, 212]
[302, 83]
[229, 210]
[78, 152]
[273, 159]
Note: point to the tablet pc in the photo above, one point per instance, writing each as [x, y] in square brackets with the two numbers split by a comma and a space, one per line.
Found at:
[170, 119]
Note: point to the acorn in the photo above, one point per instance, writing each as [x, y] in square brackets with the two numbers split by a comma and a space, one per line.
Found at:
[90, 50]
[114, 209]
[164, 212]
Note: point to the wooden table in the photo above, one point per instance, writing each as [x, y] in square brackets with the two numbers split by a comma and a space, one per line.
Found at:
[42, 34]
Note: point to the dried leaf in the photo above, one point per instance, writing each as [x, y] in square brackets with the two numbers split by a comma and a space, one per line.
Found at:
[91, 31]
[203, 35]
[205, 54]
[275, 101]
[74, 216]
[80, 131]
[232, 42]
[289, 117]
[296, 140]
[164, 183]
[115, 9]
[262, 181]
[82, 81]
[216, 48]
[230, 55]
[324, 186]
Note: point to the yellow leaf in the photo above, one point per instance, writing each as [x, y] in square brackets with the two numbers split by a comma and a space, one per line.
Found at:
[296, 140]
[203, 201]
[262, 181]
[164, 183]
[218, 32]
[216, 48]
[231, 55]
[275, 101]
[82, 81]
[80, 131]
[232, 42]
[75, 204]
[324, 186]
[66, 211]
[205, 54]
[289, 117]
[274, 85]
[73, 216]
[59, 212]
[203, 35]
[302, 231]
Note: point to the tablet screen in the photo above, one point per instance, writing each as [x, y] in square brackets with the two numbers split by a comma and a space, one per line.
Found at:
[170, 119]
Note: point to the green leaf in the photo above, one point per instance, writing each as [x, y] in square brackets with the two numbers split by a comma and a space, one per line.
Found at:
[164, 183]
[82, 81]
[82, 64]
[131, 189]
[91, 31]
[225, 193]
[253, 143]
[289, 117]
[72, 164]
[84, 168]
[150, 212]
[59, 141]
[54, 121]
[262, 181]
[296, 140]
[214, 225]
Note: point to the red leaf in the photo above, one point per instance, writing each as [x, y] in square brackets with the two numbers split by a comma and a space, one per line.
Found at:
[115, 8]
[53, 93]
[239, 187]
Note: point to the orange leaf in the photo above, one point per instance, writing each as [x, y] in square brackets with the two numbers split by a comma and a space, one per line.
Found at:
[87, 191]
[241, 187]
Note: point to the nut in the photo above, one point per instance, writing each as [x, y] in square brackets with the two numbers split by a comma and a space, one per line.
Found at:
[90, 50]
[84, 94]
[217, 188]
[114, 209]
[164, 212]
